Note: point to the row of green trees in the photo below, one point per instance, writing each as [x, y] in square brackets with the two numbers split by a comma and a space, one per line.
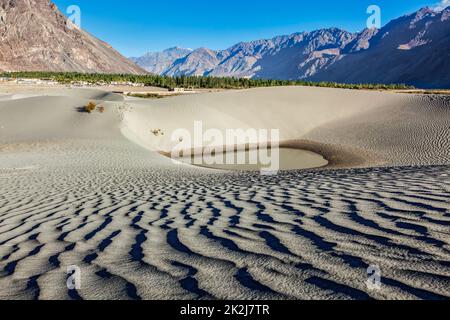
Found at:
[193, 82]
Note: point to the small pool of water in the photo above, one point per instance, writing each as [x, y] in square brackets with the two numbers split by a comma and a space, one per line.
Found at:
[256, 160]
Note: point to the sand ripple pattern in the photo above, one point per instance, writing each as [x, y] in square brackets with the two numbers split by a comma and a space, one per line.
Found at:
[139, 232]
[75, 191]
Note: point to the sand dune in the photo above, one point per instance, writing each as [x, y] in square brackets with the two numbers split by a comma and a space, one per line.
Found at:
[383, 128]
[92, 190]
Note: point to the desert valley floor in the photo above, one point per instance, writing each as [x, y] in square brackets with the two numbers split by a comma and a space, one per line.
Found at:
[91, 190]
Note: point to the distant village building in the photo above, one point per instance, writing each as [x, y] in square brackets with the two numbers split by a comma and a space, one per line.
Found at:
[176, 89]
[35, 82]
[26, 81]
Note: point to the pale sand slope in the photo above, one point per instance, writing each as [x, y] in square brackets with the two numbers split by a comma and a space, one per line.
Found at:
[384, 128]
[74, 190]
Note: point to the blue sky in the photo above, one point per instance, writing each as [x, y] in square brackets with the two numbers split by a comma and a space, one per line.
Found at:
[136, 26]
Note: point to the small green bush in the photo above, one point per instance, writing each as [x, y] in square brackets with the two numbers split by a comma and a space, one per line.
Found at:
[146, 95]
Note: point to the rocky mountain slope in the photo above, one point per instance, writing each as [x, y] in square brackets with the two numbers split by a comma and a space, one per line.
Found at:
[414, 49]
[158, 62]
[35, 36]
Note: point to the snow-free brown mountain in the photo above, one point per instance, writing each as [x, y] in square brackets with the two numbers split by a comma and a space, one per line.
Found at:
[158, 62]
[413, 49]
[36, 36]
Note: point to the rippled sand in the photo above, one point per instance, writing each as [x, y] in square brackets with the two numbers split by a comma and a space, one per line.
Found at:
[75, 191]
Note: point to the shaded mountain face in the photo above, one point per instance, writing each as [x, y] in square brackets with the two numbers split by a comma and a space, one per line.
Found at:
[35, 36]
[158, 62]
[197, 63]
[304, 54]
[291, 57]
[414, 49]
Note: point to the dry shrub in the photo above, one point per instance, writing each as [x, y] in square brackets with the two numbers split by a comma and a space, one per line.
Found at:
[90, 107]
[157, 132]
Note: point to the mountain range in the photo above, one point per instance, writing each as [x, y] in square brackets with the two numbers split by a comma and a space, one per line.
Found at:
[413, 49]
[36, 36]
